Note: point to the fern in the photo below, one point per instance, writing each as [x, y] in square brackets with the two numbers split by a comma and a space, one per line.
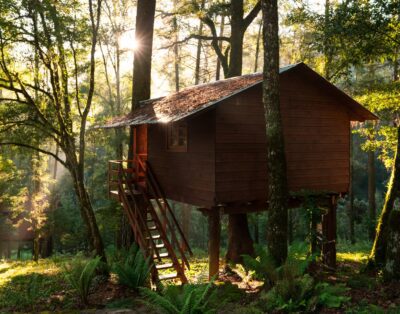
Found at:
[187, 299]
[80, 274]
[134, 271]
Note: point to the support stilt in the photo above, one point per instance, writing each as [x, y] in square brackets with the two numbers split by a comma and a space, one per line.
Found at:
[329, 234]
[214, 235]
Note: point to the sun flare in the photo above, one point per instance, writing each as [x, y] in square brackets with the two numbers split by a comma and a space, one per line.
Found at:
[127, 41]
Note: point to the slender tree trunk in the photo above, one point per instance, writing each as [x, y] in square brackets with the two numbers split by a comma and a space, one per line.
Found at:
[327, 50]
[276, 160]
[176, 49]
[371, 194]
[258, 47]
[198, 51]
[351, 194]
[221, 33]
[396, 76]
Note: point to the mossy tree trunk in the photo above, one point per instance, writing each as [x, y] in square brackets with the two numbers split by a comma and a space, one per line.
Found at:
[378, 252]
[391, 271]
[276, 161]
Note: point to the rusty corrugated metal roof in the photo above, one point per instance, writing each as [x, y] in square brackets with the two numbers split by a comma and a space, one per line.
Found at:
[191, 100]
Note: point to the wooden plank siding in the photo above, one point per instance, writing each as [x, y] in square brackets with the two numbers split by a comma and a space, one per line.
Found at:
[187, 177]
[227, 149]
[316, 131]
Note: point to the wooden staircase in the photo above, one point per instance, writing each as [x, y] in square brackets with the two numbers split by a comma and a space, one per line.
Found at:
[156, 229]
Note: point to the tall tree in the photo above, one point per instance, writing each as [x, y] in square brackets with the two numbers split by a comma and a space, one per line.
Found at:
[231, 60]
[65, 91]
[276, 165]
[144, 31]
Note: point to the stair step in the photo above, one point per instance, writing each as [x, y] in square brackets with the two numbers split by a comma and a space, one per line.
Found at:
[158, 246]
[169, 276]
[164, 266]
[154, 237]
[162, 255]
[152, 228]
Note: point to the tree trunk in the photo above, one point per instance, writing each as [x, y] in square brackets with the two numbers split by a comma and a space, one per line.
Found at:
[236, 52]
[371, 194]
[87, 212]
[378, 252]
[221, 33]
[239, 239]
[258, 47]
[351, 195]
[142, 60]
[276, 161]
[391, 271]
[198, 51]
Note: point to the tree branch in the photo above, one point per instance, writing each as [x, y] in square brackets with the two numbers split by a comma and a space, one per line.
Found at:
[215, 44]
[199, 37]
[36, 149]
[252, 15]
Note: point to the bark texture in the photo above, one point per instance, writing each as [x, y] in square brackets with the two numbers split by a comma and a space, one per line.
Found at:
[142, 61]
[378, 252]
[391, 271]
[276, 165]
[239, 239]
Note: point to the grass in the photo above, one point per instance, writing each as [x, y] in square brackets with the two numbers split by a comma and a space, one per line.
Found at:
[27, 285]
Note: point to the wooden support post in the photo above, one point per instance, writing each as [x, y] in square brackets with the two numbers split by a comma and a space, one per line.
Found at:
[329, 234]
[214, 235]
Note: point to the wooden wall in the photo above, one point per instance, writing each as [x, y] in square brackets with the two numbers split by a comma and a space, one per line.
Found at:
[187, 177]
[316, 130]
[226, 157]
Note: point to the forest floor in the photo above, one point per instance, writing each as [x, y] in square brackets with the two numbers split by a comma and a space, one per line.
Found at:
[27, 286]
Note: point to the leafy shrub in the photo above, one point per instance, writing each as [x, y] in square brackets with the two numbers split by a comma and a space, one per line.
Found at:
[134, 270]
[265, 269]
[79, 274]
[291, 289]
[186, 299]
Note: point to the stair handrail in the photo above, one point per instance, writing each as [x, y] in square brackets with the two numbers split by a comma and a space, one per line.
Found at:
[141, 219]
[156, 184]
[157, 192]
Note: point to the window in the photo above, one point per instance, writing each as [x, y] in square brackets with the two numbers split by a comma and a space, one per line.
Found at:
[177, 137]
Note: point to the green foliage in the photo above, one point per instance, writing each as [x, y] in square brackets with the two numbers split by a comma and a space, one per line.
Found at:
[291, 289]
[134, 270]
[80, 274]
[265, 269]
[186, 299]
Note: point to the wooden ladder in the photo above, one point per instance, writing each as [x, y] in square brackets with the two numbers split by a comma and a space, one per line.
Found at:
[153, 222]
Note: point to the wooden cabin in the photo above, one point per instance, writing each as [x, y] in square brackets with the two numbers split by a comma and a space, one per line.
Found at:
[207, 145]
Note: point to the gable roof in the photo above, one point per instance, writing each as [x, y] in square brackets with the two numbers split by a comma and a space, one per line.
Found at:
[194, 99]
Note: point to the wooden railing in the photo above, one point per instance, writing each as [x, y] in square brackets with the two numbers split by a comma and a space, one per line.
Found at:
[126, 179]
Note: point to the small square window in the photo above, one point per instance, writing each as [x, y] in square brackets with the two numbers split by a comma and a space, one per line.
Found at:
[177, 137]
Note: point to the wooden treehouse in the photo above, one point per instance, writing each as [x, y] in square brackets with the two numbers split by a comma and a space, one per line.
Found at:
[206, 146]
